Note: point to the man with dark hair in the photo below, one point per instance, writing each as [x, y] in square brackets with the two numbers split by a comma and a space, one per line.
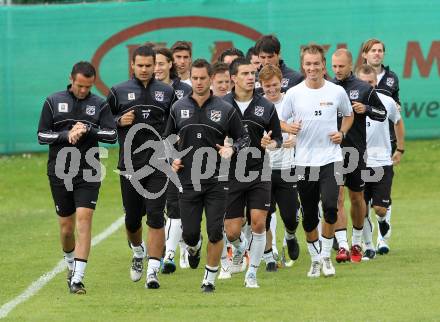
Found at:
[220, 78]
[228, 55]
[248, 189]
[268, 48]
[182, 56]
[71, 123]
[252, 55]
[314, 106]
[365, 102]
[202, 121]
[380, 160]
[143, 102]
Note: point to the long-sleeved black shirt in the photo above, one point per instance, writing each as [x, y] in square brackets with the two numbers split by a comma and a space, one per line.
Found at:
[61, 111]
[151, 106]
[360, 91]
[259, 117]
[204, 127]
[181, 89]
[389, 84]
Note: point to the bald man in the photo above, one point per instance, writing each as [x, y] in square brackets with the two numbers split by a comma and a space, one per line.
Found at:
[365, 102]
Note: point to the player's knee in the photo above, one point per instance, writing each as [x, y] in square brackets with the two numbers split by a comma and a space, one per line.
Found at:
[331, 216]
[233, 235]
[132, 224]
[215, 235]
[259, 226]
[310, 224]
[380, 211]
[191, 238]
[155, 220]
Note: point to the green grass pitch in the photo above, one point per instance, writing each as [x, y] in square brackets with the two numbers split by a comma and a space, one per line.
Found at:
[402, 286]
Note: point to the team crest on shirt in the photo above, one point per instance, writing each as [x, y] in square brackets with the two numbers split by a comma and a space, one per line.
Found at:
[390, 81]
[184, 114]
[158, 96]
[354, 94]
[90, 110]
[216, 116]
[131, 96]
[257, 84]
[284, 82]
[63, 107]
[179, 93]
[259, 110]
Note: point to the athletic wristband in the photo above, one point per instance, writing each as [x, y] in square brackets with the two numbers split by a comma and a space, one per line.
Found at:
[400, 150]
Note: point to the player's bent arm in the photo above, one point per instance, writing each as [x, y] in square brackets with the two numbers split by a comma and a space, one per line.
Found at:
[375, 109]
[107, 127]
[399, 128]
[237, 132]
[347, 122]
[45, 133]
[274, 126]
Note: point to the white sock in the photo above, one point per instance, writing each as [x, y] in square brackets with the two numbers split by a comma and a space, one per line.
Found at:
[327, 244]
[380, 219]
[314, 250]
[182, 247]
[341, 237]
[153, 265]
[256, 251]
[240, 243]
[268, 256]
[320, 220]
[388, 215]
[273, 229]
[210, 274]
[69, 259]
[367, 233]
[247, 230]
[356, 236]
[289, 236]
[224, 261]
[173, 233]
[79, 270]
[139, 251]
[193, 249]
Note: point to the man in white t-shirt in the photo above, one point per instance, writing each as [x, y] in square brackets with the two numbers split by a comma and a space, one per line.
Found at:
[314, 105]
[380, 164]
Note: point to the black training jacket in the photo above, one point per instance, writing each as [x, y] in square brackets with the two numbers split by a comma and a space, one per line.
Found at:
[151, 106]
[360, 91]
[389, 84]
[181, 89]
[201, 127]
[60, 112]
[259, 117]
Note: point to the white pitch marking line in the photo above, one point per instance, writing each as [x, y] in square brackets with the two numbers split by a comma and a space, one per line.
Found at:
[60, 267]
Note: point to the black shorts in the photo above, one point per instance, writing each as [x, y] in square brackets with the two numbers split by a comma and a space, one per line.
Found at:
[353, 180]
[250, 195]
[212, 198]
[285, 195]
[84, 194]
[324, 187]
[136, 205]
[173, 201]
[379, 193]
